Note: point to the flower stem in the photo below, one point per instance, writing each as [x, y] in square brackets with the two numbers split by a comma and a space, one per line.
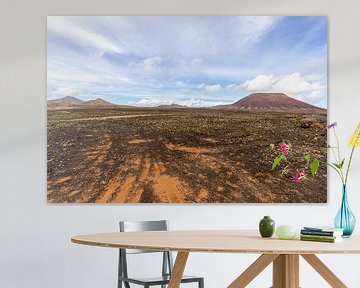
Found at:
[348, 166]
[337, 144]
[351, 156]
[334, 154]
[340, 171]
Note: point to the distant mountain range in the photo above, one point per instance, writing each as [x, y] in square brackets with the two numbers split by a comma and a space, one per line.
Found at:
[70, 102]
[275, 102]
[172, 106]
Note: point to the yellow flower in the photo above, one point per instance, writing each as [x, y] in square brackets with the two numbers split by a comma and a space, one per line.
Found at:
[355, 138]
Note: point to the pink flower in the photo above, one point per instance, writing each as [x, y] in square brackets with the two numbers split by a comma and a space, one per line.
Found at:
[284, 148]
[299, 174]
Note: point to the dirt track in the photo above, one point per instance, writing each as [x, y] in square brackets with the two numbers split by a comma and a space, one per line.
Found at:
[180, 155]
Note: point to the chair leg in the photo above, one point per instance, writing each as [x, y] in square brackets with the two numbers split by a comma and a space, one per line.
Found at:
[201, 283]
[120, 273]
[165, 266]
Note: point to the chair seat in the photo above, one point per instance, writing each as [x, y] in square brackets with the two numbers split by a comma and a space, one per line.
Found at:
[158, 280]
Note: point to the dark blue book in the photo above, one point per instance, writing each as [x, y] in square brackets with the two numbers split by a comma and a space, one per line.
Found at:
[322, 231]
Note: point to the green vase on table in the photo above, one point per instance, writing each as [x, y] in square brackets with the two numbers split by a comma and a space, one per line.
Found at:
[267, 227]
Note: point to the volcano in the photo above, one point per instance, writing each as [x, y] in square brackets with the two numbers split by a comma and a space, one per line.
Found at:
[67, 100]
[277, 102]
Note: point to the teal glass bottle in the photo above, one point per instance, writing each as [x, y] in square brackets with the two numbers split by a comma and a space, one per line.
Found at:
[345, 219]
[267, 227]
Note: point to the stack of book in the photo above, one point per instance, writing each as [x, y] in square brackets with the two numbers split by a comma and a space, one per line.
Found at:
[321, 234]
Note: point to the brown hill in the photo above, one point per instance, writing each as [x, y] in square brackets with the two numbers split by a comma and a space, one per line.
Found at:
[277, 102]
[67, 100]
[98, 102]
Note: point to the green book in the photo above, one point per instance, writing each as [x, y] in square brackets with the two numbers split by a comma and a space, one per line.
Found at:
[319, 236]
[324, 240]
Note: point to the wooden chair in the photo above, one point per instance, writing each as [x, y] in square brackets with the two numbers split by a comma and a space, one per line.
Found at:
[167, 262]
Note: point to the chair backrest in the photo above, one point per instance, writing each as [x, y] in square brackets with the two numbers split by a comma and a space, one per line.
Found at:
[137, 226]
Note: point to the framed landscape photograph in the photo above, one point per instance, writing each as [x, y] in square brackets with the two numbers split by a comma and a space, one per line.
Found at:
[186, 109]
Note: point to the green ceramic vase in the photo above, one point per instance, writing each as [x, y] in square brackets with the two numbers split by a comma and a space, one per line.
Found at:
[267, 227]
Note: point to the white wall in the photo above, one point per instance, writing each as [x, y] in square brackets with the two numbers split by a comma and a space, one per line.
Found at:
[35, 248]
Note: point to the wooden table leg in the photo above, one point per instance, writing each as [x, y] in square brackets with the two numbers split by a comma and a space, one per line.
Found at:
[178, 269]
[286, 271]
[293, 262]
[324, 271]
[253, 270]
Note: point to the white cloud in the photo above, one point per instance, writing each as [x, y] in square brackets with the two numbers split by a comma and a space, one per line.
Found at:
[295, 84]
[147, 65]
[315, 95]
[197, 62]
[69, 29]
[193, 102]
[197, 102]
[103, 75]
[313, 77]
[209, 88]
[213, 88]
[253, 28]
[150, 64]
[154, 102]
[234, 87]
[259, 83]
[299, 86]
[62, 91]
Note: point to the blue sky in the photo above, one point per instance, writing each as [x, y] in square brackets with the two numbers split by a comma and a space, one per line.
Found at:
[189, 60]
